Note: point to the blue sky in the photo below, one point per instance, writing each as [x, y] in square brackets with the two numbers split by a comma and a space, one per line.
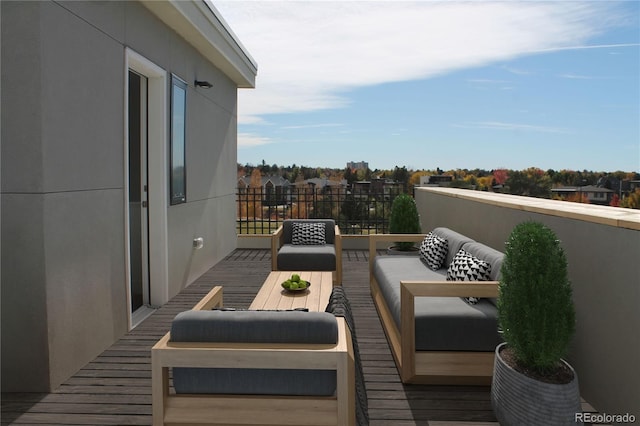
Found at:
[441, 84]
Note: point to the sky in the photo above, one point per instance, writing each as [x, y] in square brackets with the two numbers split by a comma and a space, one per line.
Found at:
[453, 84]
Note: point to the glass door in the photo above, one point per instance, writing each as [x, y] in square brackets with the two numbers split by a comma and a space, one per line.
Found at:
[138, 192]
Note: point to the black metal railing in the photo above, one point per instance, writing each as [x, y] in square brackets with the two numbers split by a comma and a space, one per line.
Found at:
[356, 211]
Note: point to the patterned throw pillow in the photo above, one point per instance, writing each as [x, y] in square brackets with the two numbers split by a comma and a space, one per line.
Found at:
[433, 251]
[466, 267]
[308, 233]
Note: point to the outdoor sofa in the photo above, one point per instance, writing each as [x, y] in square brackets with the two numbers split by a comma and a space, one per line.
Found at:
[436, 335]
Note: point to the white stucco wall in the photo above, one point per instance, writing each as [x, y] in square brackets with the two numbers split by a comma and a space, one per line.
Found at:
[602, 245]
[64, 292]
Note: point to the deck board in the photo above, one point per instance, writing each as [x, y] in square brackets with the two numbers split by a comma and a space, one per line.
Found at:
[115, 388]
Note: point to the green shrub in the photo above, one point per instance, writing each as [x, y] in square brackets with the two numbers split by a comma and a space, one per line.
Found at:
[535, 307]
[404, 219]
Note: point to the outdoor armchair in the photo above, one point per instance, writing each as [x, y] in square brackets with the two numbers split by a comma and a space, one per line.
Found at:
[254, 367]
[307, 245]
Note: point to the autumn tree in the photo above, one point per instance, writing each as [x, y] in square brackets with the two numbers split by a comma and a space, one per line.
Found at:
[415, 177]
[632, 201]
[615, 201]
[532, 182]
[500, 176]
[253, 203]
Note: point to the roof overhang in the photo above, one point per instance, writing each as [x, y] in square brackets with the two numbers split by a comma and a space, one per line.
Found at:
[202, 25]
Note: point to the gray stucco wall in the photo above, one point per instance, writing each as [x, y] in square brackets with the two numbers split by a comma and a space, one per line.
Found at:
[605, 275]
[64, 293]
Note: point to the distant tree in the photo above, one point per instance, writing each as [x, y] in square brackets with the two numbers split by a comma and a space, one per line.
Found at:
[632, 201]
[415, 177]
[579, 197]
[349, 176]
[500, 176]
[531, 182]
[354, 210]
[484, 183]
[615, 201]
[256, 179]
[250, 201]
[401, 174]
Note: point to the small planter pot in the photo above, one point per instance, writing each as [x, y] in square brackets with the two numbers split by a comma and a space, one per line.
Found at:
[393, 250]
[519, 400]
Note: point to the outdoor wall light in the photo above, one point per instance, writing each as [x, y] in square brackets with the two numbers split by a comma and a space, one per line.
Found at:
[203, 83]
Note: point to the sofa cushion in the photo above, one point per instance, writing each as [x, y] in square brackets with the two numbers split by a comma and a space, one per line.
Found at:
[308, 258]
[390, 270]
[455, 241]
[308, 233]
[489, 255]
[254, 327]
[433, 251]
[442, 323]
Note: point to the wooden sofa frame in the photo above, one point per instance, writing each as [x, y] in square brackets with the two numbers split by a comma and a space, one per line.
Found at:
[185, 409]
[277, 241]
[429, 367]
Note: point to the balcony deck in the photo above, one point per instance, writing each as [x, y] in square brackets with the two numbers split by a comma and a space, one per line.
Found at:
[115, 389]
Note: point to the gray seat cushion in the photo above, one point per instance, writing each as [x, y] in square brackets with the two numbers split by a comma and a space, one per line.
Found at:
[254, 327]
[442, 323]
[307, 258]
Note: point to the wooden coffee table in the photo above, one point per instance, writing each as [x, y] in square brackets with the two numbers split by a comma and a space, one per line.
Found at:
[315, 298]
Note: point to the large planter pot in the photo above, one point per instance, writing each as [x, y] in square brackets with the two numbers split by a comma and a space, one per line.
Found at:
[519, 400]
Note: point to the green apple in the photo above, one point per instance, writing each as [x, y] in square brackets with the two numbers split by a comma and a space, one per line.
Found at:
[295, 278]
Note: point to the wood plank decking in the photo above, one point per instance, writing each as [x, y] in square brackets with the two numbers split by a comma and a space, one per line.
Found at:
[115, 388]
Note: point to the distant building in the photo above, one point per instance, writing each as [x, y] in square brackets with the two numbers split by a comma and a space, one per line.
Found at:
[357, 165]
[595, 194]
[325, 184]
[438, 180]
[275, 189]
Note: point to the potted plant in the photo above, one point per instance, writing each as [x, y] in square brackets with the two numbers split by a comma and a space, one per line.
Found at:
[404, 219]
[532, 384]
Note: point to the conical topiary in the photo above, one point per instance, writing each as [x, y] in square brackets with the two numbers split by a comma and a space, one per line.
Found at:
[535, 306]
[404, 219]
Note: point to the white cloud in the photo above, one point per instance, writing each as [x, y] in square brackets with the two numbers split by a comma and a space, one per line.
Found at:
[497, 125]
[248, 140]
[312, 126]
[576, 77]
[310, 54]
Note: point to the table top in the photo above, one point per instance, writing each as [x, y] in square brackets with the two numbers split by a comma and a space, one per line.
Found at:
[316, 297]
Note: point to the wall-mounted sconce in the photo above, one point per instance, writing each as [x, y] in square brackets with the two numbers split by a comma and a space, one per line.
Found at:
[203, 83]
[198, 243]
